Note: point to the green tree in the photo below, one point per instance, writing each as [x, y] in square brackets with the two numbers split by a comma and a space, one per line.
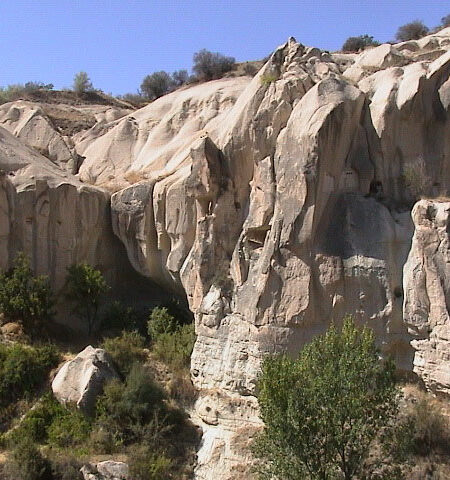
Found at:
[85, 287]
[411, 31]
[209, 65]
[156, 85]
[23, 296]
[354, 44]
[323, 411]
[82, 83]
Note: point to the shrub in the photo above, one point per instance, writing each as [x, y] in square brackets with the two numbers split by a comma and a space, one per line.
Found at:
[355, 44]
[160, 322]
[422, 431]
[23, 369]
[145, 464]
[268, 79]
[23, 296]
[68, 429]
[66, 468]
[209, 65]
[180, 77]
[126, 350]
[250, 69]
[82, 83]
[125, 408]
[175, 348]
[25, 462]
[411, 31]
[119, 317]
[323, 411]
[156, 85]
[416, 178]
[85, 286]
[445, 21]
[134, 98]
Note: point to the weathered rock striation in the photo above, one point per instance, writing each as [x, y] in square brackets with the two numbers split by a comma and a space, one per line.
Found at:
[278, 204]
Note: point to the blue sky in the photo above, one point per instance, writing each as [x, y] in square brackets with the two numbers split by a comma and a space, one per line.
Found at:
[118, 42]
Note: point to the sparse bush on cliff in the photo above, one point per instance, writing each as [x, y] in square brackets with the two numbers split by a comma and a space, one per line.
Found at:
[180, 77]
[445, 21]
[126, 350]
[323, 411]
[172, 341]
[411, 31]
[209, 65]
[23, 296]
[84, 289]
[354, 44]
[156, 85]
[82, 83]
[416, 178]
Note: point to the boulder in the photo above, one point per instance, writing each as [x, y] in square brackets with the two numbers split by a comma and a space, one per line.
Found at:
[81, 380]
[107, 470]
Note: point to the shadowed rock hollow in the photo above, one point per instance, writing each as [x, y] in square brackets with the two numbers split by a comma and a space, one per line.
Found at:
[276, 204]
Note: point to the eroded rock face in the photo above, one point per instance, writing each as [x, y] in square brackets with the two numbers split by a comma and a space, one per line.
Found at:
[292, 213]
[427, 293]
[50, 215]
[81, 380]
[279, 204]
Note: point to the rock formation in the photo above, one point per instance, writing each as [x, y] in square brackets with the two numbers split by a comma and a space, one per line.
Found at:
[80, 381]
[276, 205]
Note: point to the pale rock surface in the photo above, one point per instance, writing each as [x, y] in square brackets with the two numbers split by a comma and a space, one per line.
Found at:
[81, 380]
[427, 293]
[106, 470]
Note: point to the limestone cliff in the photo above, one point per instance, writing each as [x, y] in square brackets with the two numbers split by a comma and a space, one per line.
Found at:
[278, 204]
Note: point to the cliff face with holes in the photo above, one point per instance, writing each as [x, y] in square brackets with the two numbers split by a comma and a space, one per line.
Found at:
[277, 204]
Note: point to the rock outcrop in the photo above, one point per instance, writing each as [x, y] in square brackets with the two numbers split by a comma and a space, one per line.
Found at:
[81, 380]
[427, 294]
[106, 470]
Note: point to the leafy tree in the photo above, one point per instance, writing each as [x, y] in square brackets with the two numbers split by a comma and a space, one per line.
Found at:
[82, 83]
[180, 77]
[85, 286]
[126, 350]
[156, 85]
[23, 296]
[354, 44]
[159, 322]
[209, 65]
[411, 31]
[445, 21]
[323, 411]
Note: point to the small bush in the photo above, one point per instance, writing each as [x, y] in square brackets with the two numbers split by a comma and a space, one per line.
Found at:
[160, 322]
[445, 21]
[146, 464]
[69, 429]
[209, 65]
[411, 31]
[135, 99]
[268, 79]
[23, 369]
[82, 83]
[250, 69]
[125, 408]
[119, 317]
[126, 350]
[423, 431]
[23, 296]
[355, 44]
[180, 77]
[416, 178]
[84, 289]
[66, 468]
[175, 348]
[25, 462]
[156, 85]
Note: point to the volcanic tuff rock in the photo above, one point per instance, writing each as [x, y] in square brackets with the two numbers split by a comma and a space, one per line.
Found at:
[280, 203]
[80, 381]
